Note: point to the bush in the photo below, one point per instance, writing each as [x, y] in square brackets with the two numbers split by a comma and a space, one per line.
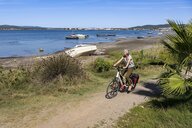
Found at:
[115, 54]
[154, 56]
[61, 65]
[13, 78]
[101, 65]
[50, 76]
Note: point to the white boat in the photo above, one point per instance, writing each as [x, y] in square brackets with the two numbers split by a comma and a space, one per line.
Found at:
[81, 36]
[77, 36]
[160, 33]
[81, 49]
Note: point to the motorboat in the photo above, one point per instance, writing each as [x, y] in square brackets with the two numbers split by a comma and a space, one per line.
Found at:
[41, 50]
[77, 36]
[72, 37]
[105, 35]
[82, 49]
[160, 33]
[82, 36]
[140, 37]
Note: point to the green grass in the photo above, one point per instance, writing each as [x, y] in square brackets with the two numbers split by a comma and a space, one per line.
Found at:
[149, 72]
[153, 56]
[16, 108]
[158, 114]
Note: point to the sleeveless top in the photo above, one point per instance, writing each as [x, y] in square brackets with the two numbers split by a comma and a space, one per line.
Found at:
[131, 63]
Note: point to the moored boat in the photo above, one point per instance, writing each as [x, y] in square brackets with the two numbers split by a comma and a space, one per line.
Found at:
[73, 37]
[81, 49]
[82, 36]
[160, 33]
[140, 37]
[105, 35]
[41, 50]
[77, 36]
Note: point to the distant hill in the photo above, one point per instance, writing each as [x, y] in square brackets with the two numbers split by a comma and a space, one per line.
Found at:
[13, 27]
[150, 27]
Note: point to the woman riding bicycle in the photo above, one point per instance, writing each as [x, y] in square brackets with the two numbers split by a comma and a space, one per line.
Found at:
[129, 66]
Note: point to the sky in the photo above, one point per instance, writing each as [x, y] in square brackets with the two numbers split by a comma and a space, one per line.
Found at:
[93, 13]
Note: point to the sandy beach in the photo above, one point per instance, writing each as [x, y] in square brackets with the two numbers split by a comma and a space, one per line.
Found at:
[136, 44]
[130, 43]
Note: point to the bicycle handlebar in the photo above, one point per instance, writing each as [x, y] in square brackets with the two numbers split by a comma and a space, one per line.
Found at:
[119, 68]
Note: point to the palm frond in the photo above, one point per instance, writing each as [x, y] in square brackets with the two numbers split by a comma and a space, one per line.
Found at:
[175, 85]
[170, 47]
[179, 29]
[180, 46]
[173, 68]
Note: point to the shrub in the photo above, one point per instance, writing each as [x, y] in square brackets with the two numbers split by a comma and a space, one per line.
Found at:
[60, 65]
[13, 78]
[50, 76]
[101, 65]
[115, 54]
[153, 56]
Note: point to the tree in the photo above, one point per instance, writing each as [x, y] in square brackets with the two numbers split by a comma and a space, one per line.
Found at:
[176, 81]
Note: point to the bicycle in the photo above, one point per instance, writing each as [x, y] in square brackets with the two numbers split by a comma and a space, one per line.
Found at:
[114, 86]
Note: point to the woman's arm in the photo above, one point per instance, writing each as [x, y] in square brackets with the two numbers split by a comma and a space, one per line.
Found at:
[118, 62]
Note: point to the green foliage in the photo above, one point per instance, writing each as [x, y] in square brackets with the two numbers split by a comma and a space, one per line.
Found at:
[51, 76]
[108, 74]
[165, 57]
[151, 56]
[149, 72]
[13, 78]
[175, 84]
[61, 65]
[158, 114]
[101, 65]
[115, 54]
[179, 45]
[157, 55]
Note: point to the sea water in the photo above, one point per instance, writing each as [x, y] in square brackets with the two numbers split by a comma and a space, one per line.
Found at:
[16, 43]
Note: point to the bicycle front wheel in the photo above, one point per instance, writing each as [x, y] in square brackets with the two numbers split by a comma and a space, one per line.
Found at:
[112, 89]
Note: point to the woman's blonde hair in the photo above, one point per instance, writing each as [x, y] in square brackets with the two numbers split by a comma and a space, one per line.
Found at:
[126, 51]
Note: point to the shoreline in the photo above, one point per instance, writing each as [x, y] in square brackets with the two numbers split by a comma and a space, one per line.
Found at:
[125, 43]
[130, 44]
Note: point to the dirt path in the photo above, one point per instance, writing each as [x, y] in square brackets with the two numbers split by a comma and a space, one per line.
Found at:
[97, 111]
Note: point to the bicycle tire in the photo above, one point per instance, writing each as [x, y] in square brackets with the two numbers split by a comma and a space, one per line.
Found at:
[112, 89]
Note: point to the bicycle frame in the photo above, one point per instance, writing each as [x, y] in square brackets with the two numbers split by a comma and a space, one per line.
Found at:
[118, 76]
